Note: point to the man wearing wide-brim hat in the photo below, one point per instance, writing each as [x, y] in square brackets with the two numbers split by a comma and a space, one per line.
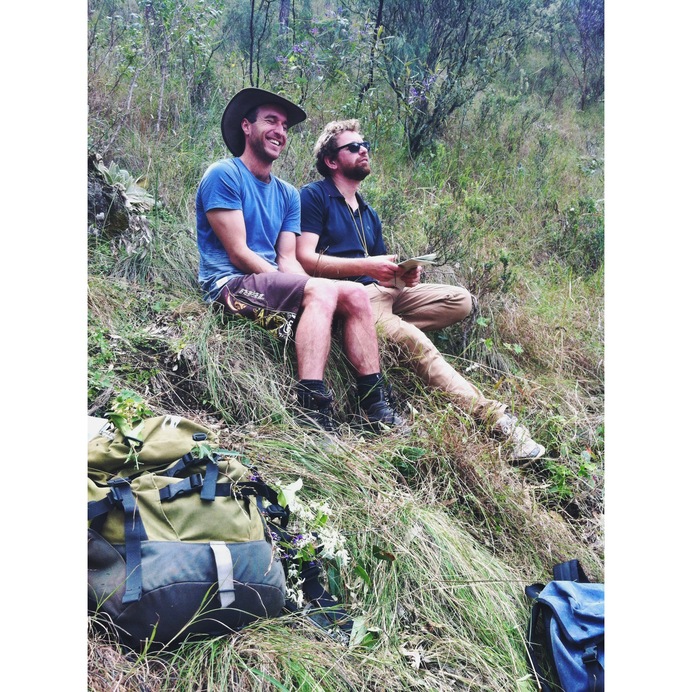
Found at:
[247, 224]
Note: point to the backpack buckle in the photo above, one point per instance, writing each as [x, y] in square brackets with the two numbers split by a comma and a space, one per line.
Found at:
[276, 512]
[187, 485]
[590, 655]
[196, 481]
[116, 496]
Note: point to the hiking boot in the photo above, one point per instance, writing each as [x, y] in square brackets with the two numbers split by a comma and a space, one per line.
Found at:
[523, 447]
[380, 414]
[317, 410]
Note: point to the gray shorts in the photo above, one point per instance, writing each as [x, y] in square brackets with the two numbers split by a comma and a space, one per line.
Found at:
[273, 300]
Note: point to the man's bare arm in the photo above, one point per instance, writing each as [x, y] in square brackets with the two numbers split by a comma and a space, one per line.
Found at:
[229, 227]
[286, 254]
[380, 267]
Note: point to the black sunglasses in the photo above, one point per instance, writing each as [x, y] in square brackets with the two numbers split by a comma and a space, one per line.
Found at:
[354, 147]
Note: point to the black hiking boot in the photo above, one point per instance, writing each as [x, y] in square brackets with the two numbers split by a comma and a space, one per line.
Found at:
[317, 410]
[380, 414]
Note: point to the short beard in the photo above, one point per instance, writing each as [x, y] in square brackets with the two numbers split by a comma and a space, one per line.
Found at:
[357, 173]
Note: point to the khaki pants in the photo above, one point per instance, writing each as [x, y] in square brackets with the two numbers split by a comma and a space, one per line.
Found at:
[403, 314]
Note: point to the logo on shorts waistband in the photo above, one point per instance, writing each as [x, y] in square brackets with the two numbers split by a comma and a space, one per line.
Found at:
[251, 294]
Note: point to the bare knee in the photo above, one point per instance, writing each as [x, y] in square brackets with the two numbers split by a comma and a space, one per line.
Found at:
[322, 293]
[353, 299]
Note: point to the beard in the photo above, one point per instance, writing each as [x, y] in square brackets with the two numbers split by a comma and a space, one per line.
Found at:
[358, 171]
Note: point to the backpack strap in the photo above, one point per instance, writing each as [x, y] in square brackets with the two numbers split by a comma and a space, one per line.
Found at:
[224, 571]
[209, 489]
[98, 509]
[196, 482]
[211, 476]
[179, 466]
[191, 484]
[570, 571]
[533, 643]
[594, 669]
[135, 533]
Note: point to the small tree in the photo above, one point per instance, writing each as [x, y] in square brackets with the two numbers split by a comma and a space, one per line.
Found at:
[284, 13]
[581, 35]
[440, 53]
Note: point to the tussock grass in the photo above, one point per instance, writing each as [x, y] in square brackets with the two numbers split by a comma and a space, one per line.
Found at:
[445, 612]
[465, 530]
[232, 354]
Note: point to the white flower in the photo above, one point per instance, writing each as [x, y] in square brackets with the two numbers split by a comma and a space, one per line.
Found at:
[289, 493]
[321, 507]
[332, 543]
[343, 557]
[303, 512]
[295, 593]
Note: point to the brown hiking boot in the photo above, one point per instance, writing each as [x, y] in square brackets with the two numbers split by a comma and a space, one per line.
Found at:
[523, 448]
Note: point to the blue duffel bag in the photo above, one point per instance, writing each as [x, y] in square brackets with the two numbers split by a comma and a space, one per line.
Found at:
[565, 637]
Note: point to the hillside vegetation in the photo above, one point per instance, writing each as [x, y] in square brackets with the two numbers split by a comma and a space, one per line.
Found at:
[488, 149]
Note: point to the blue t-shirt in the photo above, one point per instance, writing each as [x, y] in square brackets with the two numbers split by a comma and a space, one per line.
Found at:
[268, 209]
[324, 211]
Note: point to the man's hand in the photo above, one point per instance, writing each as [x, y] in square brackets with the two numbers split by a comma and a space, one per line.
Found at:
[409, 278]
[381, 267]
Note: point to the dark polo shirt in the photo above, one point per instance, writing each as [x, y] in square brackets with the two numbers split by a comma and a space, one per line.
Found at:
[324, 211]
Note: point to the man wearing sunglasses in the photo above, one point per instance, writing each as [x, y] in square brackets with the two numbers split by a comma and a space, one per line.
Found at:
[247, 224]
[342, 239]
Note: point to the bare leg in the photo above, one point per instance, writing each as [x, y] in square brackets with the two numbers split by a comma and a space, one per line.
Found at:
[313, 334]
[360, 338]
[322, 299]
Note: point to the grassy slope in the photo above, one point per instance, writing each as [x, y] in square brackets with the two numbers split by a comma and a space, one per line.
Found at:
[466, 530]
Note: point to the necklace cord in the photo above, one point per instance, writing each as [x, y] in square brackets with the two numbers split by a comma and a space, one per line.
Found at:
[360, 232]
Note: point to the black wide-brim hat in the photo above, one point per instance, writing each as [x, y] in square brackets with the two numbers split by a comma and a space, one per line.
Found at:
[243, 102]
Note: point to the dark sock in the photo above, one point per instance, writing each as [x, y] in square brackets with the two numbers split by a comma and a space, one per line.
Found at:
[369, 388]
[314, 386]
[306, 388]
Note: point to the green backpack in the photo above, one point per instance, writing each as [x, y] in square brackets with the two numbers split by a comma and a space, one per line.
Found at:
[179, 545]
